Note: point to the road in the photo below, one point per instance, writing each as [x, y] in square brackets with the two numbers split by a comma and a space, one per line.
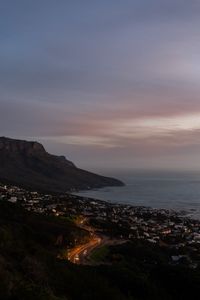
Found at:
[80, 254]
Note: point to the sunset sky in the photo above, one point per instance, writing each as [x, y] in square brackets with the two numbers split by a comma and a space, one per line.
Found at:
[109, 84]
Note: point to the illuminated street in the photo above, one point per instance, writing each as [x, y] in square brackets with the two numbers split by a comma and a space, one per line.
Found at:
[80, 253]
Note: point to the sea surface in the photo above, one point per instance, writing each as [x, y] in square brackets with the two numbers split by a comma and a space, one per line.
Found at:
[171, 190]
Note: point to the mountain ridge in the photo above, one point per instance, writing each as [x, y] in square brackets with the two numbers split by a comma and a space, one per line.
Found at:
[29, 165]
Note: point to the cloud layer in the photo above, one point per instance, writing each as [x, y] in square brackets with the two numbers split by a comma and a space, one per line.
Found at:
[114, 81]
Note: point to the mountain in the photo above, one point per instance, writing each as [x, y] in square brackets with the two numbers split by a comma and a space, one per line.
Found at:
[28, 164]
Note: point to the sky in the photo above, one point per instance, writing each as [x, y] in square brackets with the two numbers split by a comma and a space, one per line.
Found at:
[109, 84]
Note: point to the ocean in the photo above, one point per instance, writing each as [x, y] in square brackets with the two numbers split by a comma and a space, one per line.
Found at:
[171, 190]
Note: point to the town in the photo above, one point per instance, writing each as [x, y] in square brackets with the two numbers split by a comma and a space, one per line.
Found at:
[168, 229]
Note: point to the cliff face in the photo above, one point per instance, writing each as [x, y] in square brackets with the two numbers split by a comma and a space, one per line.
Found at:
[29, 165]
[16, 146]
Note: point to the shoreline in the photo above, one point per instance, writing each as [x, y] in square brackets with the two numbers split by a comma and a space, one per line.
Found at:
[187, 210]
[79, 194]
[159, 227]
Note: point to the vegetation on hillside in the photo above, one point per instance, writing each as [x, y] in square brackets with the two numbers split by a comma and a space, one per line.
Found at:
[30, 268]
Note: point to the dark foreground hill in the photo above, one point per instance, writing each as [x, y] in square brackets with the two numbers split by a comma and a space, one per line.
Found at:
[30, 269]
[28, 164]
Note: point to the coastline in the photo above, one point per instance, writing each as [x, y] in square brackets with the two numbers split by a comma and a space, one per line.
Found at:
[182, 213]
[181, 194]
[161, 227]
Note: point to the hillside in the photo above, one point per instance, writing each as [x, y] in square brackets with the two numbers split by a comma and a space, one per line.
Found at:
[28, 164]
[30, 269]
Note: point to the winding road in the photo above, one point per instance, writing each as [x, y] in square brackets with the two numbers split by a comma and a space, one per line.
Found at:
[80, 254]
